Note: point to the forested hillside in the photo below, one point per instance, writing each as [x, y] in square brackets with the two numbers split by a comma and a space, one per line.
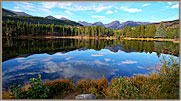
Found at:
[10, 13]
[23, 17]
[16, 25]
[169, 24]
[40, 20]
[21, 28]
[6, 12]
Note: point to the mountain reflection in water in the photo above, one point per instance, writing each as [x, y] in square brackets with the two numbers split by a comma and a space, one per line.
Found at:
[76, 59]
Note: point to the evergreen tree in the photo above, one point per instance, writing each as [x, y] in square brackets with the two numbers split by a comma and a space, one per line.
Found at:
[147, 31]
[128, 32]
[153, 30]
[142, 33]
[161, 32]
[125, 30]
[138, 31]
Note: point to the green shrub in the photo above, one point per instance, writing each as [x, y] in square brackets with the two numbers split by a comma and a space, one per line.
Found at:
[36, 90]
[170, 78]
[161, 85]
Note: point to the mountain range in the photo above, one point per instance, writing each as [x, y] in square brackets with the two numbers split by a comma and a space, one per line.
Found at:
[52, 17]
[24, 17]
[10, 12]
[113, 25]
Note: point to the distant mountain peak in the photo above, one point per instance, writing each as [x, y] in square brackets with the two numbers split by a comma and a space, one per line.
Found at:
[15, 12]
[63, 18]
[113, 24]
[84, 23]
[50, 17]
[98, 24]
[115, 21]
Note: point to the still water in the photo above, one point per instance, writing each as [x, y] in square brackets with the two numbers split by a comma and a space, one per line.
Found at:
[76, 59]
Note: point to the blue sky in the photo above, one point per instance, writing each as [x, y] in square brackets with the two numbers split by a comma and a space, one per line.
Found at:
[105, 12]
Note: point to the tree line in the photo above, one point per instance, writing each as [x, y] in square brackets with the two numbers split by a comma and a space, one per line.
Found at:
[19, 28]
[13, 47]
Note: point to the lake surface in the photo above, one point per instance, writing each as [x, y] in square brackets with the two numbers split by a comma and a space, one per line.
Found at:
[76, 59]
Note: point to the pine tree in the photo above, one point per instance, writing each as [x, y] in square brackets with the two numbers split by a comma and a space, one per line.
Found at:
[142, 33]
[128, 32]
[78, 32]
[92, 31]
[125, 30]
[99, 31]
[153, 30]
[138, 31]
[147, 31]
[161, 32]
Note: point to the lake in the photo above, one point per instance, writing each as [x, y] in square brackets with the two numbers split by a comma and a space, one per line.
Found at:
[78, 58]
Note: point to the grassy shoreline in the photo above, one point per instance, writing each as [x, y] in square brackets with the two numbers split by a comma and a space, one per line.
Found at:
[108, 38]
[161, 85]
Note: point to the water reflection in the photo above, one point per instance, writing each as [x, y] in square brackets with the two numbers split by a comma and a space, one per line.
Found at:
[76, 59]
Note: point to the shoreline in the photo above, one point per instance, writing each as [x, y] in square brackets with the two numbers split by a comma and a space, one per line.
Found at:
[107, 38]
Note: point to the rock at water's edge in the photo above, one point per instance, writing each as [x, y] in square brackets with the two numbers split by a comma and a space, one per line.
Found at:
[85, 96]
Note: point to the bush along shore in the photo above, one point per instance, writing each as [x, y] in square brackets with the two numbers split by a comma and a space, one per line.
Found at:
[162, 84]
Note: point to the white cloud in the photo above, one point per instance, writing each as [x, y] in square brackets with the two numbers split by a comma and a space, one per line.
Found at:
[24, 6]
[48, 4]
[45, 10]
[130, 10]
[100, 63]
[27, 3]
[96, 55]
[80, 71]
[68, 12]
[115, 11]
[154, 21]
[18, 10]
[47, 59]
[104, 52]
[75, 7]
[69, 6]
[167, 6]
[64, 5]
[116, 20]
[21, 6]
[101, 7]
[175, 6]
[51, 67]
[169, 3]
[103, 18]
[166, 19]
[59, 53]
[145, 5]
[116, 7]
[59, 16]
[129, 62]
[96, 16]
[140, 67]
[106, 59]
[109, 12]
[68, 58]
